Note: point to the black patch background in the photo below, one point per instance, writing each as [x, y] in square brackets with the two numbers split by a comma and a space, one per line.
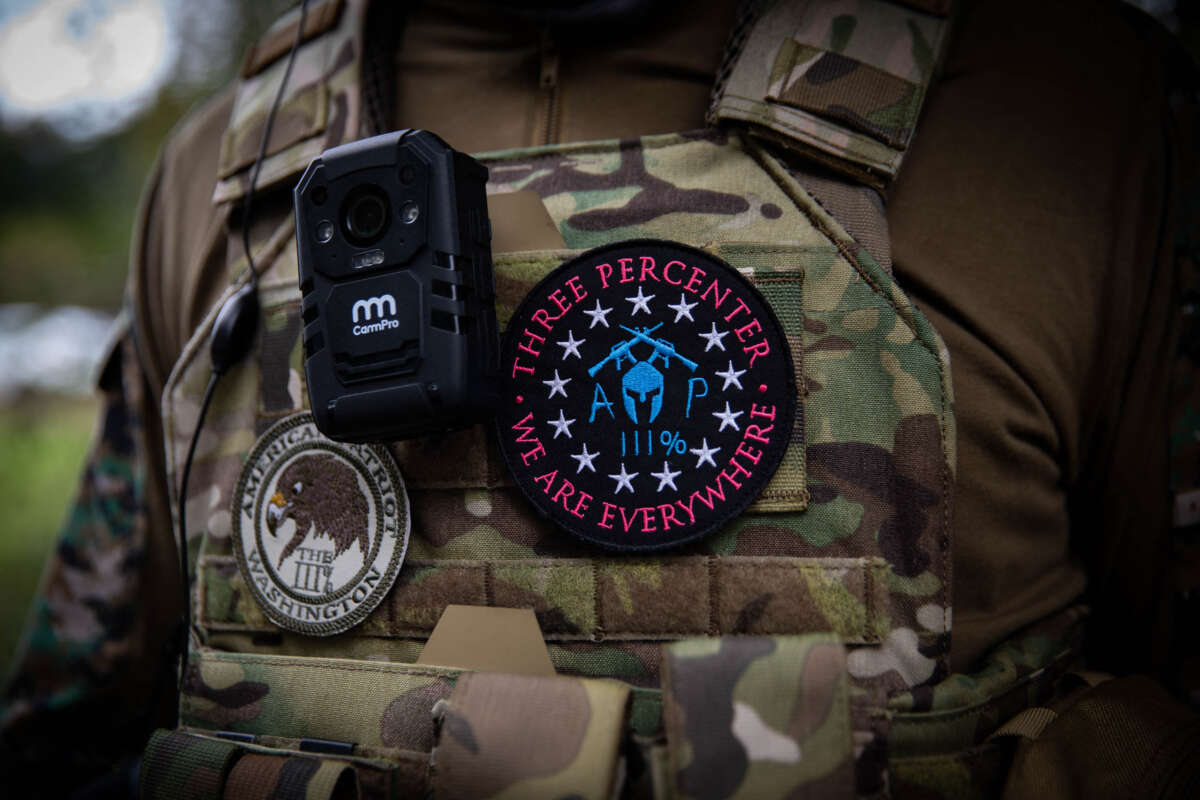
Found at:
[604, 435]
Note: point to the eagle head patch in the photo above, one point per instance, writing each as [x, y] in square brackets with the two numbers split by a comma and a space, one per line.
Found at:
[320, 527]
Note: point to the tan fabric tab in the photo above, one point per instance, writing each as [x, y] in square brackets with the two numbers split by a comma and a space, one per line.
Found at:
[1029, 724]
[520, 222]
[569, 738]
[492, 639]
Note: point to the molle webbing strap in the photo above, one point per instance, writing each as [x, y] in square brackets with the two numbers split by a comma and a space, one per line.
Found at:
[321, 105]
[174, 759]
[257, 776]
[841, 81]
[179, 764]
[762, 717]
[525, 736]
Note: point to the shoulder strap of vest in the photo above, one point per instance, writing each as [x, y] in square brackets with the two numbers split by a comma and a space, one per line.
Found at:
[841, 81]
[322, 105]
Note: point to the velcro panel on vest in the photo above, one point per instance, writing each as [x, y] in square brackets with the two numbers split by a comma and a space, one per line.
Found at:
[841, 82]
[257, 776]
[365, 703]
[321, 104]
[174, 759]
[761, 717]
[530, 737]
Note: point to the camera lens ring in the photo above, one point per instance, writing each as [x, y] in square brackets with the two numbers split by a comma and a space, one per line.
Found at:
[366, 215]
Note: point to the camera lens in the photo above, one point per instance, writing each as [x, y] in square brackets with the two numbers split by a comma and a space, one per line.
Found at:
[365, 215]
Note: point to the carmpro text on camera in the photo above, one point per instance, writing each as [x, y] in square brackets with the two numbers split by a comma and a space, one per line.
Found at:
[394, 251]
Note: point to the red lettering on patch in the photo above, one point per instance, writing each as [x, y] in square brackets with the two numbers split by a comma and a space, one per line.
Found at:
[648, 269]
[667, 272]
[605, 271]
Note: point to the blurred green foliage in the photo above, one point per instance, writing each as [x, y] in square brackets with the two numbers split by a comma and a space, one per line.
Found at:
[44, 441]
[67, 209]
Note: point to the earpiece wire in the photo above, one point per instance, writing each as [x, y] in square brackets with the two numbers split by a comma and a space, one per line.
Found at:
[185, 580]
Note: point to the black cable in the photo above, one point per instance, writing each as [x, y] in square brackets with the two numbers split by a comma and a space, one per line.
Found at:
[262, 148]
[183, 559]
[232, 335]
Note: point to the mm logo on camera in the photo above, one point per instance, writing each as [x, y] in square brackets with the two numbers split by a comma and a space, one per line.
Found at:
[373, 307]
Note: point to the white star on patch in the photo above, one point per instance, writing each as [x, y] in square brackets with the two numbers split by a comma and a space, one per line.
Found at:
[731, 376]
[624, 479]
[558, 385]
[585, 459]
[713, 338]
[563, 425]
[666, 477]
[640, 303]
[727, 417]
[599, 314]
[704, 453]
[683, 308]
[571, 345]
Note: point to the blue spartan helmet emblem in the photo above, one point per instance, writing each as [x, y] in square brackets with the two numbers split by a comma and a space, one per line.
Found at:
[642, 380]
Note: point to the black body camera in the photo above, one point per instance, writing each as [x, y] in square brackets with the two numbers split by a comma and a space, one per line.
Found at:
[394, 249]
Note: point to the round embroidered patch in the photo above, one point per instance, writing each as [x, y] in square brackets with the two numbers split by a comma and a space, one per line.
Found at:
[648, 394]
[320, 527]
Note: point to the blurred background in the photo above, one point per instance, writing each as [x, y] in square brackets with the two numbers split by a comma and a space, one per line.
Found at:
[88, 90]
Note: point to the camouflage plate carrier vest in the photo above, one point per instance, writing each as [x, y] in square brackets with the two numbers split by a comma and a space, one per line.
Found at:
[799, 651]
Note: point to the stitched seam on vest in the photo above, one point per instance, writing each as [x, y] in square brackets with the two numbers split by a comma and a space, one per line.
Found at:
[341, 665]
[597, 604]
[761, 156]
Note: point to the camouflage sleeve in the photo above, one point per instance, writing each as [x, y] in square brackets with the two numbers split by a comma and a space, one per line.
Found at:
[91, 654]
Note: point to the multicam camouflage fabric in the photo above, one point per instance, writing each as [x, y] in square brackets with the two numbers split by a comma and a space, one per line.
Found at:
[320, 108]
[569, 744]
[175, 759]
[377, 705]
[851, 536]
[759, 717]
[867, 534]
[846, 86]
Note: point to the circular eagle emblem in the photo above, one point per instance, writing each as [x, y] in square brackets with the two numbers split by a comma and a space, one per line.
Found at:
[648, 394]
[320, 527]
